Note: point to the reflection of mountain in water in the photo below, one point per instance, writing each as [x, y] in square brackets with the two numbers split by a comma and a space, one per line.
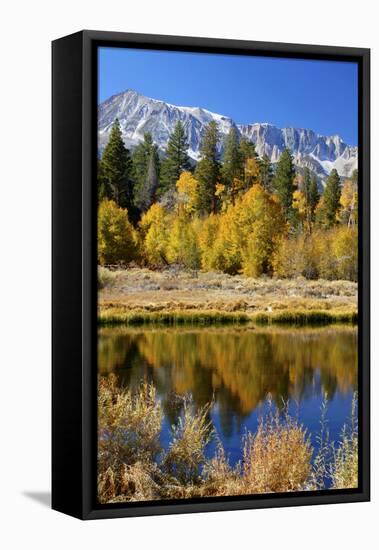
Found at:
[235, 368]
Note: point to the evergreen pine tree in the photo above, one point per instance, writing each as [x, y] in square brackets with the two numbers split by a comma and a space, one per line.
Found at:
[140, 159]
[102, 187]
[354, 177]
[176, 160]
[311, 197]
[332, 195]
[145, 153]
[266, 173]
[314, 197]
[247, 149]
[114, 169]
[283, 182]
[208, 169]
[147, 193]
[232, 168]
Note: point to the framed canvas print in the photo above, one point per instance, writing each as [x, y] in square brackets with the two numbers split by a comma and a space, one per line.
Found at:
[210, 274]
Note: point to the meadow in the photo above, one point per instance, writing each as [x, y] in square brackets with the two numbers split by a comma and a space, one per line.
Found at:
[172, 296]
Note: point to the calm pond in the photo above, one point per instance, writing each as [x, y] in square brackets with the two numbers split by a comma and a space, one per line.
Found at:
[238, 369]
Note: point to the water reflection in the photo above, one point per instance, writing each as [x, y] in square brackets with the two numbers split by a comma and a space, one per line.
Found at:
[235, 368]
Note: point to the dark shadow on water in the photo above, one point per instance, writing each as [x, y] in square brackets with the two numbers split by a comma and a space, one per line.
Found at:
[42, 497]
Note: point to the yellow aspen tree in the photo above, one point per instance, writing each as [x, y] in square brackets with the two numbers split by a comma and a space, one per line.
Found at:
[251, 172]
[345, 251]
[183, 247]
[262, 224]
[207, 234]
[187, 188]
[117, 239]
[299, 204]
[154, 227]
[349, 204]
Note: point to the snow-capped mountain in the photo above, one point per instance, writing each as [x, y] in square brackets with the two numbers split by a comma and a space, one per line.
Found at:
[319, 153]
[139, 114]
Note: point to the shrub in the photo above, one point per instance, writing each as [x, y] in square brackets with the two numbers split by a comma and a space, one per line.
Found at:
[278, 457]
[328, 254]
[128, 482]
[129, 424]
[190, 435]
[105, 277]
[117, 240]
[344, 468]
[221, 478]
[295, 257]
[345, 251]
[128, 440]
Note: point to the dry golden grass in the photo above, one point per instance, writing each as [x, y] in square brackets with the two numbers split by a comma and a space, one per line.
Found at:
[278, 457]
[344, 468]
[337, 462]
[221, 478]
[133, 482]
[139, 295]
[129, 427]
[109, 314]
[185, 456]
[132, 466]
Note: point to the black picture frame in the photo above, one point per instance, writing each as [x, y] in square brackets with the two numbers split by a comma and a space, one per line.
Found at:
[74, 295]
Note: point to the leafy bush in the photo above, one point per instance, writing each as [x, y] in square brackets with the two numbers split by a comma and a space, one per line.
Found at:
[185, 456]
[129, 424]
[105, 277]
[278, 457]
[328, 254]
[117, 239]
[345, 251]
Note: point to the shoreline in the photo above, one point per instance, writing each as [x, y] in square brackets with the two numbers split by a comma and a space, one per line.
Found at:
[139, 296]
[121, 316]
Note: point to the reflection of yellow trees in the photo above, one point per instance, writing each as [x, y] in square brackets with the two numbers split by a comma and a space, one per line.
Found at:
[238, 367]
[112, 352]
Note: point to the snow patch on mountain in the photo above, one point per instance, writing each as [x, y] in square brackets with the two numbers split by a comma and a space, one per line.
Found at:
[138, 114]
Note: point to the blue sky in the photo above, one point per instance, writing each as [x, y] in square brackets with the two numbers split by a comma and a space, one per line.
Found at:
[321, 95]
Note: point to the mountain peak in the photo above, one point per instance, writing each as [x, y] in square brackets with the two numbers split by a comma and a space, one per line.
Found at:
[138, 114]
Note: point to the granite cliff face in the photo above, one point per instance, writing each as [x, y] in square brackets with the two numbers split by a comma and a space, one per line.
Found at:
[139, 114]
